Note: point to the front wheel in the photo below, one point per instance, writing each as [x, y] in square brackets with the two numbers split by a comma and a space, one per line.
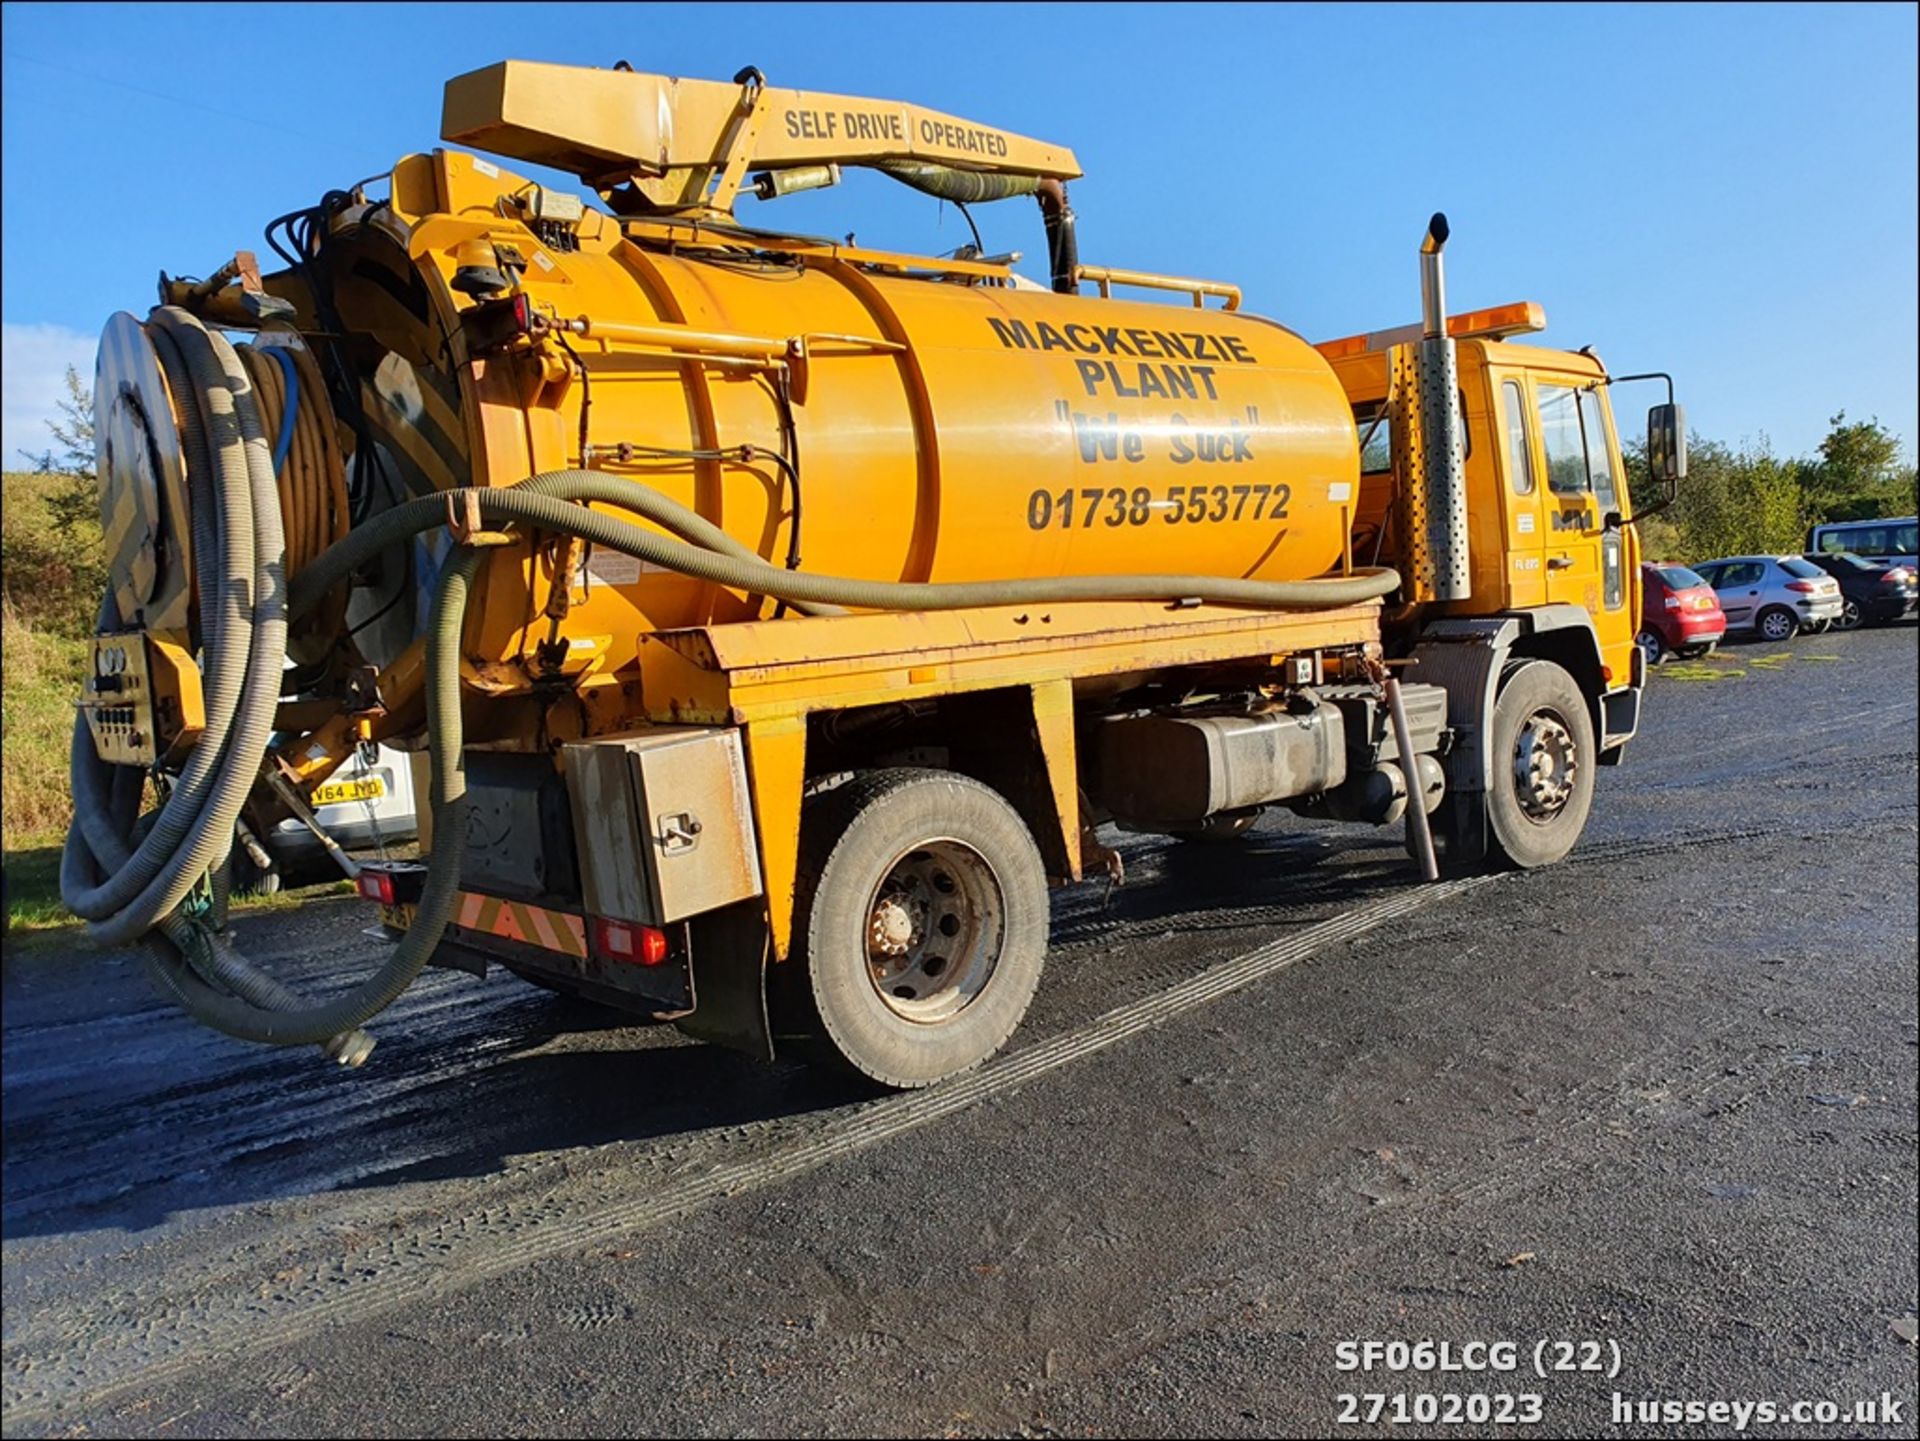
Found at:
[1542, 757]
[1778, 623]
[921, 928]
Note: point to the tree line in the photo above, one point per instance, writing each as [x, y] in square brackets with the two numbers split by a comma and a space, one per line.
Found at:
[1746, 500]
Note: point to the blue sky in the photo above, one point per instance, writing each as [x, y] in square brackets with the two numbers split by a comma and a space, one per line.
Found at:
[1727, 192]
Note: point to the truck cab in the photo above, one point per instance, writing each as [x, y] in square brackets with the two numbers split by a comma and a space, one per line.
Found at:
[1545, 480]
[1550, 542]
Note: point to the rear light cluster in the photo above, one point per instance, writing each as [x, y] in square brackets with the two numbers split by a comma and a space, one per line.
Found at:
[1671, 602]
[1804, 587]
[626, 941]
[392, 883]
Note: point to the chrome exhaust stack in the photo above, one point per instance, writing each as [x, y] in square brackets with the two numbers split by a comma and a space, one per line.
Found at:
[1433, 280]
[1429, 441]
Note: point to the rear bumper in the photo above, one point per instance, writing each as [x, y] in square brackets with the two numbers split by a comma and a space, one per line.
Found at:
[552, 946]
[1700, 632]
[1882, 608]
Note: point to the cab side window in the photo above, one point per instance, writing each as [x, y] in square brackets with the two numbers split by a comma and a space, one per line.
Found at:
[1376, 437]
[1593, 424]
[1519, 442]
[1561, 438]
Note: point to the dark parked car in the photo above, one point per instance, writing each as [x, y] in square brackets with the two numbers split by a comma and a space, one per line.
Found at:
[1679, 613]
[1871, 593]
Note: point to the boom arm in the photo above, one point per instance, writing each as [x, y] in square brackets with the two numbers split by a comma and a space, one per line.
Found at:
[687, 144]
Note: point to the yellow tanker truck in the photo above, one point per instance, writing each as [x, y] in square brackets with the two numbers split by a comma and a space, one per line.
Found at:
[777, 619]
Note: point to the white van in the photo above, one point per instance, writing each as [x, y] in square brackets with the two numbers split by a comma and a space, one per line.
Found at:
[367, 805]
[1890, 541]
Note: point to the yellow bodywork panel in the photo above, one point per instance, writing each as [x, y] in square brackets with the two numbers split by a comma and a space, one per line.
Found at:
[769, 676]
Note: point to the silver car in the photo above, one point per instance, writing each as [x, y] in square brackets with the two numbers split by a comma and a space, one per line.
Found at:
[1773, 596]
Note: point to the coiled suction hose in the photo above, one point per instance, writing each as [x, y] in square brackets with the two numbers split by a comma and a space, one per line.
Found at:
[125, 890]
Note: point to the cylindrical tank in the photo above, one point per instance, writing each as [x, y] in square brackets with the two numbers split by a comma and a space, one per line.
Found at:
[943, 430]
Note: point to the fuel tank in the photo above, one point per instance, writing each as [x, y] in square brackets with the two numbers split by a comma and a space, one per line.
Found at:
[942, 425]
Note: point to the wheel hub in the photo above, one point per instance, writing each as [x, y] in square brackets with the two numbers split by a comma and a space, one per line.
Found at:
[897, 925]
[935, 930]
[1546, 766]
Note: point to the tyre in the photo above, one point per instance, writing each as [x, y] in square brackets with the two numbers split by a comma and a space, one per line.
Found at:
[920, 927]
[1850, 616]
[1777, 623]
[1651, 646]
[1541, 759]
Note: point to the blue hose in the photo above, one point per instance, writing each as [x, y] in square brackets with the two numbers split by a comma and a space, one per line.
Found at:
[285, 442]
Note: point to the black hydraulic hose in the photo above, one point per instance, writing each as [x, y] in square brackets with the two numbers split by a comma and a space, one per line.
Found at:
[1063, 245]
[246, 1004]
[546, 502]
[271, 1017]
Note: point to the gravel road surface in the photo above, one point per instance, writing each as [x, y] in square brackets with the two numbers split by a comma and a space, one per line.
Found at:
[1272, 1098]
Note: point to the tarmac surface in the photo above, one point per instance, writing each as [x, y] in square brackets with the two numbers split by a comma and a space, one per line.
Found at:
[1272, 1099]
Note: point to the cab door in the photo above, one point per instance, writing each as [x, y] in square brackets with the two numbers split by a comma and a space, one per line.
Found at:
[1585, 561]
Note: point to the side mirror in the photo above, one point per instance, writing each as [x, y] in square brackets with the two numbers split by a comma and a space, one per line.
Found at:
[1667, 443]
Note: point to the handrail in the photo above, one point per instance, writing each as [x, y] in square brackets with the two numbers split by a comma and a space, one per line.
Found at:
[1107, 276]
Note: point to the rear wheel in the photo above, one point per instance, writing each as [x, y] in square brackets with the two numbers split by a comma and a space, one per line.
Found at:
[1778, 623]
[1542, 756]
[1651, 646]
[1850, 616]
[921, 927]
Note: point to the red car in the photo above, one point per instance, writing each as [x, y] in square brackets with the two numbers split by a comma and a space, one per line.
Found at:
[1679, 613]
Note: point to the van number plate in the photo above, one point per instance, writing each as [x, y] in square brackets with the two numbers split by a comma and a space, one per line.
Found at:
[366, 788]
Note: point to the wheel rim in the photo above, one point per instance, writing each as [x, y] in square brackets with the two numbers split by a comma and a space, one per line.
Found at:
[1546, 766]
[1850, 615]
[1649, 645]
[935, 929]
[1776, 626]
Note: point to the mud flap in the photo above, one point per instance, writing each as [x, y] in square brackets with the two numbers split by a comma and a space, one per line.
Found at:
[1464, 658]
[727, 955]
[1460, 832]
